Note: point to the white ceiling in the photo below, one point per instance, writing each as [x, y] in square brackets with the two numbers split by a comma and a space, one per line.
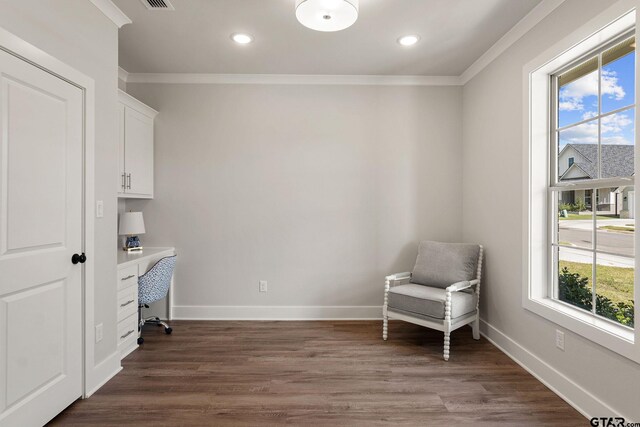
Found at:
[195, 37]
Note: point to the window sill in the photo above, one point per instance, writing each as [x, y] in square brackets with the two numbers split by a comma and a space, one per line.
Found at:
[616, 338]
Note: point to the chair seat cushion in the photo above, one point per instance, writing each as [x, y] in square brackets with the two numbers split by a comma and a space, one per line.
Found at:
[428, 301]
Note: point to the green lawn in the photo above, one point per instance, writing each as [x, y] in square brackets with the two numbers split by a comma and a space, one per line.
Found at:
[574, 217]
[615, 283]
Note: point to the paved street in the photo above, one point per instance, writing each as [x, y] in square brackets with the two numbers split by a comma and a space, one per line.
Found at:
[579, 233]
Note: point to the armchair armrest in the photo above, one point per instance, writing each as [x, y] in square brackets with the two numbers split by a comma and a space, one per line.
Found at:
[465, 284]
[398, 278]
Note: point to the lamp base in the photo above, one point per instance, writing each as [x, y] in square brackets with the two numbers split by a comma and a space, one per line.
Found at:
[132, 244]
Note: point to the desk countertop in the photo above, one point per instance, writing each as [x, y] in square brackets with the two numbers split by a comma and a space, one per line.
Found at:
[129, 258]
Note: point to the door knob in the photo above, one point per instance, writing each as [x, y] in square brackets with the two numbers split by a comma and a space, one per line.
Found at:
[78, 258]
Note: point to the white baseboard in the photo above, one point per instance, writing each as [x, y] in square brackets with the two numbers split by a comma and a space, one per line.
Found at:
[258, 312]
[575, 395]
[102, 373]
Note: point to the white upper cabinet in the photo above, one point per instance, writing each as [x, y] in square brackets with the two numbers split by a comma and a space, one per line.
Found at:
[135, 147]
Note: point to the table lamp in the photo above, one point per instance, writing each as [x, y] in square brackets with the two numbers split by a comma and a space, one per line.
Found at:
[132, 224]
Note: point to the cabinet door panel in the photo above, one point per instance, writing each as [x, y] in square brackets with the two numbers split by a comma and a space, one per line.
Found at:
[138, 159]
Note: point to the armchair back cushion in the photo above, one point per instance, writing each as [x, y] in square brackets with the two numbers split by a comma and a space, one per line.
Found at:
[443, 264]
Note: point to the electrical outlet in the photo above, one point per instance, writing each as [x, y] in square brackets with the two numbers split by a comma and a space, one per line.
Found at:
[263, 286]
[99, 332]
[560, 339]
[99, 209]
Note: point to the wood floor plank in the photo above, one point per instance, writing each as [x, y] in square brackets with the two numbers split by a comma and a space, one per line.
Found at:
[317, 373]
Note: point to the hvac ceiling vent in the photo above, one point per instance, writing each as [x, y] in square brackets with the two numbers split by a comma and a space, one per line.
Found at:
[158, 4]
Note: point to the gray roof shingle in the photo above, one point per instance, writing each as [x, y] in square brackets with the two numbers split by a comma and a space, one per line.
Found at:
[617, 160]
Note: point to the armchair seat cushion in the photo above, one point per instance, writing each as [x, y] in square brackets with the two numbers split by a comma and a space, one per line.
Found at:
[429, 301]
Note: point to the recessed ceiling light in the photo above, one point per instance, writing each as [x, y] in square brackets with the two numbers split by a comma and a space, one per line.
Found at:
[409, 40]
[242, 38]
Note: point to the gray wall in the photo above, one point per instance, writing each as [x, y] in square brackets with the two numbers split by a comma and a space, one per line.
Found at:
[321, 190]
[492, 189]
[78, 34]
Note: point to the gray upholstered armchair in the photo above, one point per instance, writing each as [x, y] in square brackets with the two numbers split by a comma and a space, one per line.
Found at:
[441, 293]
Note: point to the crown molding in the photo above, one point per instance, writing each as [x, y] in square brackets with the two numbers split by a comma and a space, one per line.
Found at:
[123, 74]
[362, 80]
[112, 12]
[533, 18]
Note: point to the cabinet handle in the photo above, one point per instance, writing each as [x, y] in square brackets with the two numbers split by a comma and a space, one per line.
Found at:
[124, 181]
[126, 303]
[128, 181]
[128, 277]
[126, 335]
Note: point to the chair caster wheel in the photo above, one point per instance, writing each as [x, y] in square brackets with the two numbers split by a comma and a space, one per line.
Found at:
[168, 331]
[140, 340]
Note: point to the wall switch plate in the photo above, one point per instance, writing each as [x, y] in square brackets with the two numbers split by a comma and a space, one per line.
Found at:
[99, 209]
[99, 332]
[263, 286]
[560, 339]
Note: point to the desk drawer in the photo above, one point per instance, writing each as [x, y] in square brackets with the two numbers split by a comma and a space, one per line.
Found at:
[127, 302]
[127, 276]
[127, 332]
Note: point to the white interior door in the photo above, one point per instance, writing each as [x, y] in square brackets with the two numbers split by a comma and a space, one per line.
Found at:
[138, 148]
[41, 175]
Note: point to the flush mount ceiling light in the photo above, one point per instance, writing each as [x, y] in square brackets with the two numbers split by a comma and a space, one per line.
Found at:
[409, 40]
[241, 38]
[327, 15]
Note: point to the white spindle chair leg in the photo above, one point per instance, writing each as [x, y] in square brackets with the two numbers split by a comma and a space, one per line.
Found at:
[447, 324]
[385, 327]
[385, 318]
[447, 344]
[475, 328]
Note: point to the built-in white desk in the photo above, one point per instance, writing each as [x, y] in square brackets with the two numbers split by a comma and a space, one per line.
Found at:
[131, 265]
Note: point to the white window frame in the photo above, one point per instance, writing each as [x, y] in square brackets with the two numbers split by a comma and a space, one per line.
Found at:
[593, 185]
[615, 21]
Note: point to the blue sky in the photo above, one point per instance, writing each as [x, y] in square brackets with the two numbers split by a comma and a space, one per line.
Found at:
[578, 101]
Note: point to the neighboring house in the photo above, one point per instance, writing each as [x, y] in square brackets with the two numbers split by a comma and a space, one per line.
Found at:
[580, 162]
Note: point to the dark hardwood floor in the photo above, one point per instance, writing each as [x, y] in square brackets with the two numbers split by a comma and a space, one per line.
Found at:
[317, 373]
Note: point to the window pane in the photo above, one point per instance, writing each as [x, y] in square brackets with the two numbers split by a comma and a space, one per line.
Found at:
[615, 222]
[614, 288]
[618, 71]
[574, 277]
[618, 144]
[575, 219]
[578, 93]
[580, 143]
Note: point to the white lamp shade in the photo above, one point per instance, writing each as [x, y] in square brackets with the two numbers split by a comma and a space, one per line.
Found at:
[131, 224]
[327, 15]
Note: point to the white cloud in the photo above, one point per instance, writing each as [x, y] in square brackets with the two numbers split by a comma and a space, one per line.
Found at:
[572, 95]
[615, 140]
[610, 85]
[570, 104]
[586, 133]
[616, 130]
[615, 123]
